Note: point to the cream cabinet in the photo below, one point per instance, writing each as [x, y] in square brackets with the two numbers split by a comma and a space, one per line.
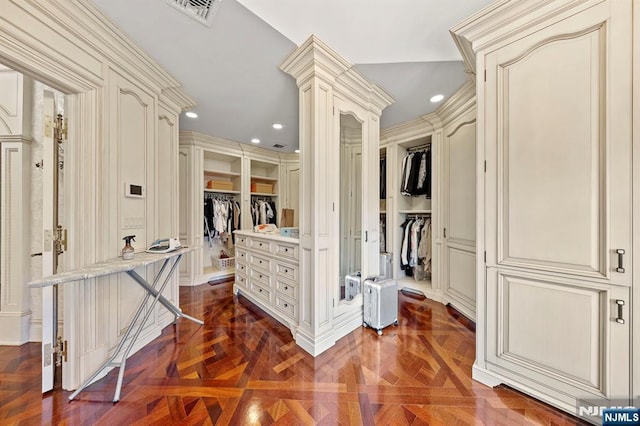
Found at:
[555, 213]
[267, 273]
[224, 171]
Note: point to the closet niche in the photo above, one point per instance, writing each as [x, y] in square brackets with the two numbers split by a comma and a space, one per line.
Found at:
[350, 207]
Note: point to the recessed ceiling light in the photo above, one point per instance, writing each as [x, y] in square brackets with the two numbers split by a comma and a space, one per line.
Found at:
[191, 114]
[277, 126]
[297, 151]
[437, 98]
[255, 140]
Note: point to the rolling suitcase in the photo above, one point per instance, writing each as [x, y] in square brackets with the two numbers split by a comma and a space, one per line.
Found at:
[380, 303]
[352, 285]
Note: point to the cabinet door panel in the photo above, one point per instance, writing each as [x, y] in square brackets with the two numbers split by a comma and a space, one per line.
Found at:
[557, 204]
[562, 164]
[549, 326]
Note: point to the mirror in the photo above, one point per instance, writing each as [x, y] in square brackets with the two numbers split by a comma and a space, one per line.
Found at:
[350, 206]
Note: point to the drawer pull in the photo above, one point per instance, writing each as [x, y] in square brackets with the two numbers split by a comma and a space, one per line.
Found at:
[261, 261]
[286, 249]
[286, 288]
[260, 290]
[286, 306]
[286, 271]
[260, 244]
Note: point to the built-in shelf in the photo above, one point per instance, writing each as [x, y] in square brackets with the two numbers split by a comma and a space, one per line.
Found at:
[263, 179]
[415, 211]
[221, 191]
[263, 194]
[221, 174]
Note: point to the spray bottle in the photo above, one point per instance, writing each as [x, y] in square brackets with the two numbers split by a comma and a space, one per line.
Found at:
[127, 250]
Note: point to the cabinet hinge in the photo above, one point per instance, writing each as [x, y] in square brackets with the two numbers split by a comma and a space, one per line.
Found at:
[485, 257]
[55, 240]
[59, 352]
[445, 233]
[485, 166]
[485, 75]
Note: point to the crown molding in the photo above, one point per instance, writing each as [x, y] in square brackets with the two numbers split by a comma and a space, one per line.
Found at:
[410, 130]
[74, 43]
[462, 100]
[177, 98]
[501, 20]
[314, 58]
[226, 146]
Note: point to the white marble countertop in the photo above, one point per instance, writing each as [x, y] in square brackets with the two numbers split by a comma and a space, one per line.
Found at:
[112, 266]
[273, 237]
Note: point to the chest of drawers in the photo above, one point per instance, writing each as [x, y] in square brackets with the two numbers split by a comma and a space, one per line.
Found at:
[267, 273]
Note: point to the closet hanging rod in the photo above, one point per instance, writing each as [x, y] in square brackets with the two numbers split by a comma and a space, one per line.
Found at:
[419, 147]
[220, 197]
[261, 198]
[418, 216]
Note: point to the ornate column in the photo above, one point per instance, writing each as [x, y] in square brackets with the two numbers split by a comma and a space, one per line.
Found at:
[327, 83]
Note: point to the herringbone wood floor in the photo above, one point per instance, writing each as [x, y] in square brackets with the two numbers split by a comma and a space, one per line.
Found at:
[243, 368]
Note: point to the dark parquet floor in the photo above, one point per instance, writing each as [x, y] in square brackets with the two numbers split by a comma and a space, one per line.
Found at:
[243, 368]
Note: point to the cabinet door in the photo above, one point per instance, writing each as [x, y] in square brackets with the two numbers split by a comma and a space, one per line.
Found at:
[557, 194]
[459, 208]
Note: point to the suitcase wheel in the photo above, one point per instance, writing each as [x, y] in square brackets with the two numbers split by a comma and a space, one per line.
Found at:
[379, 332]
[396, 322]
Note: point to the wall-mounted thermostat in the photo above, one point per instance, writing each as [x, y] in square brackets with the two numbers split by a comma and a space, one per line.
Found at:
[133, 191]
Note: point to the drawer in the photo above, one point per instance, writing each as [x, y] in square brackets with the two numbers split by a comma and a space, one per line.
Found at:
[263, 246]
[241, 256]
[241, 280]
[285, 270]
[287, 251]
[241, 268]
[286, 288]
[261, 262]
[287, 307]
[241, 241]
[260, 276]
[260, 291]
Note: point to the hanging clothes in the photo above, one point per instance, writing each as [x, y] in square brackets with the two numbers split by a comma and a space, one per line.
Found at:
[416, 173]
[221, 217]
[263, 211]
[415, 249]
[383, 178]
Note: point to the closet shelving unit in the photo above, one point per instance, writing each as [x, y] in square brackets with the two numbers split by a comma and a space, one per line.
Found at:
[224, 168]
[264, 173]
[408, 206]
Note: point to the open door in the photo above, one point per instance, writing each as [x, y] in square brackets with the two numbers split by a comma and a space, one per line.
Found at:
[54, 237]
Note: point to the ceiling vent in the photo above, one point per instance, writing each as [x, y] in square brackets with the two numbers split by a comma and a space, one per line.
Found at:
[278, 146]
[200, 10]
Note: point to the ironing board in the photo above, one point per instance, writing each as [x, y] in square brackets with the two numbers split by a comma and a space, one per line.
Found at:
[115, 266]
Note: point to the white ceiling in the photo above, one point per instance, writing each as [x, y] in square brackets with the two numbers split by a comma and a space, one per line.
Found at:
[371, 31]
[231, 68]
